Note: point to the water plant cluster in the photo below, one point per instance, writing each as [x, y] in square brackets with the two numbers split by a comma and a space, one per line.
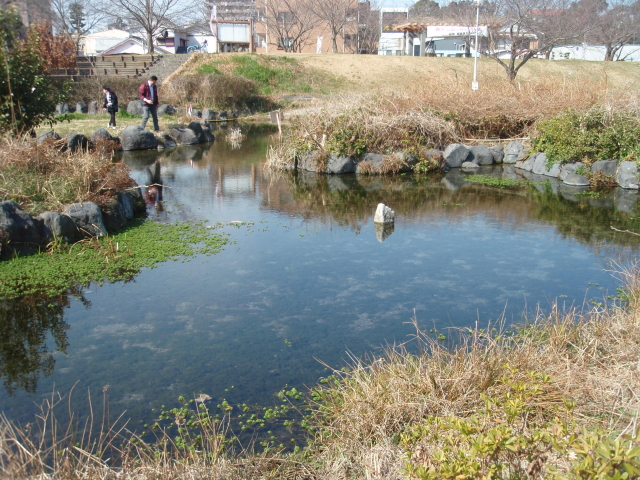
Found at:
[143, 243]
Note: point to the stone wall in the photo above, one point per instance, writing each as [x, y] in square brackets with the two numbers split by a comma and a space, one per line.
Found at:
[471, 157]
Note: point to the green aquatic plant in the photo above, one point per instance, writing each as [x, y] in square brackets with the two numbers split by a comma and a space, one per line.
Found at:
[118, 257]
[496, 182]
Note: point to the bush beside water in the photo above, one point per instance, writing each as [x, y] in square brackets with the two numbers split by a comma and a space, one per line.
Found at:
[586, 137]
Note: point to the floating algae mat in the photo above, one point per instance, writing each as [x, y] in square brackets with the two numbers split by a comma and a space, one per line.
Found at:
[144, 243]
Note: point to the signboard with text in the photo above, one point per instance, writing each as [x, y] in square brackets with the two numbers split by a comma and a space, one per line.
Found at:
[456, 31]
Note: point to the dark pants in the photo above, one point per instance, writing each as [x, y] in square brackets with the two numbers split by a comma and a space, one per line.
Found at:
[112, 120]
[153, 111]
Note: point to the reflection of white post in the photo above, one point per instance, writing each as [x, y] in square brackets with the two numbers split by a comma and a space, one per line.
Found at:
[474, 85]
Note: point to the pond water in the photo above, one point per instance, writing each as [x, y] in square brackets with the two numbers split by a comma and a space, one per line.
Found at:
[308, 279]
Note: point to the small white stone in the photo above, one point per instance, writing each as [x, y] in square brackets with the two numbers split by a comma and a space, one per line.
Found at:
[384, 214]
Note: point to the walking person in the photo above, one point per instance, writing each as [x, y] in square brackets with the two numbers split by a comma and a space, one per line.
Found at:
[110, 105]
[148, 93]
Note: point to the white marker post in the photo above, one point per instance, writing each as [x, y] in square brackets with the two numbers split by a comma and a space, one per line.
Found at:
[474, 85]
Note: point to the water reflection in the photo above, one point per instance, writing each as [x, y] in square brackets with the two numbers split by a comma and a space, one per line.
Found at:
[350, 200]
[26, 325]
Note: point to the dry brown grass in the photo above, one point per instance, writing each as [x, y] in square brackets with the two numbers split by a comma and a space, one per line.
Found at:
[592, 357]
[41, 177]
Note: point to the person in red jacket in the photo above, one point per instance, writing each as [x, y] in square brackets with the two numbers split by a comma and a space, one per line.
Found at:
[148, 93]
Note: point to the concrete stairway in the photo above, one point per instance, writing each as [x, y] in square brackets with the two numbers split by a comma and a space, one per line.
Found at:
[124, 65]
[166, 65]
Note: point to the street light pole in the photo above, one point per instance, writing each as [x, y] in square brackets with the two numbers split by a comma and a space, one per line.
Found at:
[474, 85]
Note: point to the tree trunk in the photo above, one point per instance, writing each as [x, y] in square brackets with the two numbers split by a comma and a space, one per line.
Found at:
[608, 56]
[149, 42]
[334, 41]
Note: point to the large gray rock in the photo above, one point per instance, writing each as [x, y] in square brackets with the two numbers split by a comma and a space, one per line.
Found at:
[208, 114]
[406, 160]
[628, 175]
[312, 162]
[470, 166]
[82, 107]
[455, 155]
[137, 138]
[56, 225]
[113, 214]
[166, 109]
[47, 137]
[76, 142]
[18, 226]
[515, 152]
[340, 164]
[498, 153]
[137, 200]
[127, 204]
[568, 168]
[527, 165]
[169, 141]
[184, 135]
[223, 115]
[93, 108]
[384, 214]
[371, 164]
[197, 129]
[207, 133]
[134, 107]
[480, 155]
[576, 180]
[101, 135]
[607, 167]
[196, 113]
[541, 166]
[62, 108]
[88, 218]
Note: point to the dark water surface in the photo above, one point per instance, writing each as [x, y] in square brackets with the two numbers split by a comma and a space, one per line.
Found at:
[308, 278]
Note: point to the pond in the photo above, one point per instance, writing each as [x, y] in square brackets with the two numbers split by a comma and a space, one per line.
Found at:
[309, 281]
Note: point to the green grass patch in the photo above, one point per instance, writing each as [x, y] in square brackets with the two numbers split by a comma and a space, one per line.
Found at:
[121, 256]
[271, 74]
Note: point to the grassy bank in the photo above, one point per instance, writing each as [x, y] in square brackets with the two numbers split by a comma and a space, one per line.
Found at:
[556, 397]
[43, 178]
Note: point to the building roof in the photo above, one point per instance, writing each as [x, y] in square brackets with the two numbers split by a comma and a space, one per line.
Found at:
[113, 33]
[135, 40]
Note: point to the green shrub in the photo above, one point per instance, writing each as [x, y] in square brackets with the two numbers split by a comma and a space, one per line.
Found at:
[590, 136]
[525, 430]
[27, 97]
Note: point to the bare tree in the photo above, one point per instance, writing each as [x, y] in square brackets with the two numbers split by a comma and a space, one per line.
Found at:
[368, 35]
[150, 16]
[614, 25]
[531, 28]
[335, 14]
[290, 23]
[75, 18]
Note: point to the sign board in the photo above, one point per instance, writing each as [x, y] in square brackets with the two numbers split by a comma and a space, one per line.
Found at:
[455, 31]
[276, 117]
[233, 32]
